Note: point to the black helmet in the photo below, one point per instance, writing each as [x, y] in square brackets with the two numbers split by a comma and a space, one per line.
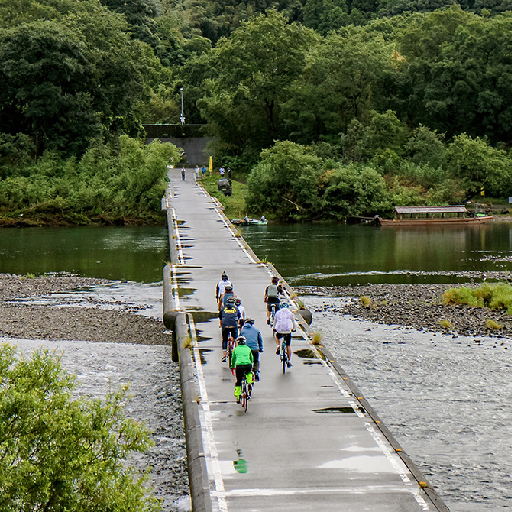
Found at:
[275, 279]
[230, 300]
[241, 340]
[249, 320]
[238, 301]
[224, 276]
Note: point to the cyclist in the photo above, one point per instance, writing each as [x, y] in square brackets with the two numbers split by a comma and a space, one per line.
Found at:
[254, 342]
[228, 292]
[241, 309]
[241, 361]
[284, 325]
[221, 285]
[228, 317]
[272, 296]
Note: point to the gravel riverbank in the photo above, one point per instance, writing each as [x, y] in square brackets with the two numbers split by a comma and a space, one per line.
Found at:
[418, 306]
[104, 349]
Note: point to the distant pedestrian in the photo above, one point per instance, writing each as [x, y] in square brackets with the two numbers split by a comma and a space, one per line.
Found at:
[197, 172]
[203, 171]
[183, 174]
[222, 171]
[229, 173]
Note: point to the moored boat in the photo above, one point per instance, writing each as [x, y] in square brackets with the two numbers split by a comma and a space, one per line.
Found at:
[249, 222]
[433, 215]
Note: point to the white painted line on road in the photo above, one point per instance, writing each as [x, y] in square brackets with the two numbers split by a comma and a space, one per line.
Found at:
[209, 447]
[178, 239]
[174, 289]
[373, 489]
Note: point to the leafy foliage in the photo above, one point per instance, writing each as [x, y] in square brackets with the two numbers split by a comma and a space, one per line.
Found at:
[108, 184]
[64, 453]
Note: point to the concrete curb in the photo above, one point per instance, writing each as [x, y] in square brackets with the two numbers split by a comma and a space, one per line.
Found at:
[176, 320]
[197, 471]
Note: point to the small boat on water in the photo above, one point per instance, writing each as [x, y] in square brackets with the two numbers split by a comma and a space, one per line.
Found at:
[433, 216]
[249, 222]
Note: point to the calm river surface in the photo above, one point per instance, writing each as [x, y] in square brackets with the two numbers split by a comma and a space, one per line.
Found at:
[447, 400]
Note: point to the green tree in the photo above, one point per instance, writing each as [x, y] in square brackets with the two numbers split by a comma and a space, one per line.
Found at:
[342, 80]
[285, 183]
[45, 77]
[73, 76]
[140, 16]
[479, 165]
[254, 70]
[355, 190]
[381, 139]
[62, 453]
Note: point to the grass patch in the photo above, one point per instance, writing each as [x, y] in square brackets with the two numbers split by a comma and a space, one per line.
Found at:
[446, 324]
[493, 326]
[493, 296]
[366, 301]
[317, 338]
[234, 205]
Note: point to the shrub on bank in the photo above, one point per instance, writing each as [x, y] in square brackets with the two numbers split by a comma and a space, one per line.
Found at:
[125, 179]
[494, 296]
[65, 453]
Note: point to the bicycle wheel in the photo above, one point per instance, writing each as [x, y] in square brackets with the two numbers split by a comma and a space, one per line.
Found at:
[230, 348]
[284, 355]
[244, 395]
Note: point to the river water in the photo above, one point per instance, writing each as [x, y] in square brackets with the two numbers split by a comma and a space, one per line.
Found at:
[446, 400]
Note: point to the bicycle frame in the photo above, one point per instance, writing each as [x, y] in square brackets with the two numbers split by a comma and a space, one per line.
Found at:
[284, 355]
[273, 310]
[244, 397]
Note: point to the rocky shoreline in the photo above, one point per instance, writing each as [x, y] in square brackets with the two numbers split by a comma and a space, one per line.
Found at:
[108, 345]
[415, 305]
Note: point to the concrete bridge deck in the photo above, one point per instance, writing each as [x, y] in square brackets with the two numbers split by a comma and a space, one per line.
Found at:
[309, 441]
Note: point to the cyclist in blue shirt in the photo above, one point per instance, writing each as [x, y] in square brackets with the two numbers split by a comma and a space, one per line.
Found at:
[254, 341]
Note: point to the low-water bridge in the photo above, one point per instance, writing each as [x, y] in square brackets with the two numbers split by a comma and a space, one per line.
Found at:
[310, 440]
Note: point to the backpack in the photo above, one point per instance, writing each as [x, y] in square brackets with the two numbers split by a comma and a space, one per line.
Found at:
[272, 291]
[230, 316]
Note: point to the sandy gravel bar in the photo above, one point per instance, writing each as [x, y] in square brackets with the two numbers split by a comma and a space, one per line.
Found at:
[106, 349]
[416, 305]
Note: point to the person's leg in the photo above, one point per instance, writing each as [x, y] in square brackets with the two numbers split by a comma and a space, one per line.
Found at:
[239, 373]
[288, 339]
[225, 335]
[278, 342]
[256, 364]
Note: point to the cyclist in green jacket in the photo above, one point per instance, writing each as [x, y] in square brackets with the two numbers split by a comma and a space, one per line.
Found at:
[242, 360]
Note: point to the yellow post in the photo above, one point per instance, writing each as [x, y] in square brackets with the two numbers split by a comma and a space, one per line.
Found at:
[210, 165]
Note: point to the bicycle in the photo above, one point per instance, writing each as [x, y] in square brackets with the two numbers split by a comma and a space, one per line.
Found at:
[231, 346]
[284, 355]
[246, 393]
[273, 310]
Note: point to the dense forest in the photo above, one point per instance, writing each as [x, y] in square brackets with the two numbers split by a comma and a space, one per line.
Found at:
[329, 109]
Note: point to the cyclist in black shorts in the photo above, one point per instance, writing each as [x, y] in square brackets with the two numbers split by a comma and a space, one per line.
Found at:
[284, 325]
[228, 316]
[272, 296]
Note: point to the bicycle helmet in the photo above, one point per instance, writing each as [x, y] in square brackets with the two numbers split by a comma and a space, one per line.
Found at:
[284, 305]
[231, 300]
[224, 276]
[249, 320]
[241, 340]
[238, 302]
[275, 279]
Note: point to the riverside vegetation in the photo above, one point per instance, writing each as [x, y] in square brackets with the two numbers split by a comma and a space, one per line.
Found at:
[329, 110]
